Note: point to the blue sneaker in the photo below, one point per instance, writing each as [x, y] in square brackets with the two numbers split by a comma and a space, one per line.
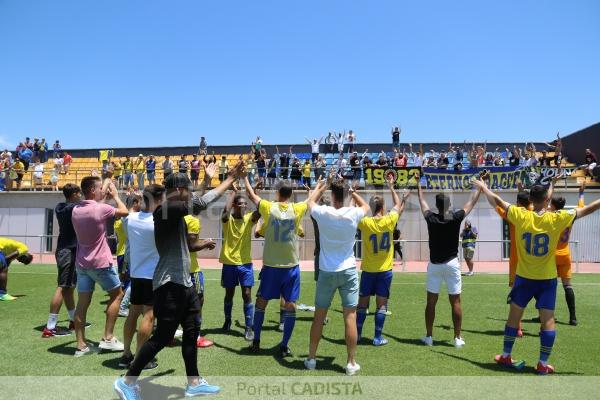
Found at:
[201, 389]
[127, 392]
[380, 341]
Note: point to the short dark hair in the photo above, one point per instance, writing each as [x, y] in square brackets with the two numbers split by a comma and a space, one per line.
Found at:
[442, 202]
[177, 180]
[285, 191]
[153, 193]
[25, 258]
[70, 189]
[523, 199]
[237, 198]
[88, 183]
[376, 203]
[538, 194]
[338, 190]
[558, 202]
[132, 199]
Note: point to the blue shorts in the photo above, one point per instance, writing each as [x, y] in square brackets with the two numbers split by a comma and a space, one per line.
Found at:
[3, 263]
[544, 292]
[375, 283]
[279, 282]
[106, 277]
[120, 260]
[233, 275]
[198, 282]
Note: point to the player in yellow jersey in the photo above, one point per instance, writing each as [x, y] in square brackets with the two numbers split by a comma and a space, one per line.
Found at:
[194, 245]
[11, 250]
[236, 257]
[537, 233]
[563, 255]
[377, 233]
[280, 274]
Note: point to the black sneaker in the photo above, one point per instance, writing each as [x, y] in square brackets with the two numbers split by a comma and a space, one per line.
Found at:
[255, 347]
[151, 365]
[227, 325]
[125, 361]
[284, 351]
[573, 321]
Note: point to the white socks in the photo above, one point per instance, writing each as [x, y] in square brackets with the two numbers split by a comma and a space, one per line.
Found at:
[52, 320]
[71, 314]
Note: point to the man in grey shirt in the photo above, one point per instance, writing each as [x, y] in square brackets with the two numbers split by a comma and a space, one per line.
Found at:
[175, 300]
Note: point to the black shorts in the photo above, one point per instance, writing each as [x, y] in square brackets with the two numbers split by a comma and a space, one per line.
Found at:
[67, 274]
[173, 302]
[141, 292]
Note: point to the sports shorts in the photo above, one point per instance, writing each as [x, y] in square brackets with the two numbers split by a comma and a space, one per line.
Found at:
[279, 282]
[448, 273]
[65, 262]
[543, 291]
[375, 283]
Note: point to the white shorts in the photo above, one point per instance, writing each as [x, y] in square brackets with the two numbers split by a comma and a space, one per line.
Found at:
[448, 273]
[592, 166]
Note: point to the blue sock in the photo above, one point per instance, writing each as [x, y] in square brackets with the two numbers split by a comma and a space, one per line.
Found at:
[259, 318]
[361, 315]
[289, 321]
[227, 309]
[379, 321]
[281, 313]
[546, 343]
[510, 335]
[248, 314]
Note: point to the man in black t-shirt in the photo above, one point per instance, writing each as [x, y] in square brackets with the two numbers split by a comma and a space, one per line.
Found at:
[444, 230]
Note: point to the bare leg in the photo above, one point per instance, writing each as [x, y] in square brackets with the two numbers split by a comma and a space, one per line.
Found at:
[351, 333]
[112, 311]
[129, 328]
[316, 329]
[145, 330]
[432, 299]
[83, 303]
[456, 313]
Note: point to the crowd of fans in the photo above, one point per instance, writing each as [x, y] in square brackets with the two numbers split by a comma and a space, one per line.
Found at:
[336, 150]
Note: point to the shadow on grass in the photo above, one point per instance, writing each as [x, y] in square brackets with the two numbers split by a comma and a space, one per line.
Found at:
[68, 348]
[493, 366]
[151, 390]
[416, 341]
[219, 331]
[489, 332]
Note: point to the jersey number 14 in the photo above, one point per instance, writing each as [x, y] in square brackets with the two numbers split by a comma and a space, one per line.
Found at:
[383, 244]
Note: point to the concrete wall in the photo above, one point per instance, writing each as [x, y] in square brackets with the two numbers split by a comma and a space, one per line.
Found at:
[25, 212]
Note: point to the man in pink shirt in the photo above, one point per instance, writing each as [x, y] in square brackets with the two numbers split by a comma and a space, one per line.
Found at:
[94, 261]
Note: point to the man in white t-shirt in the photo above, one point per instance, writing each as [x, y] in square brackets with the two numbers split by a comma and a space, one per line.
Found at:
[337, 265]
[143, 258]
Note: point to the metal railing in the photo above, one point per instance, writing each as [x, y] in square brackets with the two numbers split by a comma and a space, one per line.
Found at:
[217, 249]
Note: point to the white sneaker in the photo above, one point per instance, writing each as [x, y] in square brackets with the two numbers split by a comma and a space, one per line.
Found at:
[112, 344]
[352, 369]
[123, 312]
[178, 333]
[280, 327]
[459, 342]
[85, 351]
[310, 363]
[427, 340]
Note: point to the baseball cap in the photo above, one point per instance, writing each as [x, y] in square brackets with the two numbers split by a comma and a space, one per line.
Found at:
[177, 180]
[140, 155]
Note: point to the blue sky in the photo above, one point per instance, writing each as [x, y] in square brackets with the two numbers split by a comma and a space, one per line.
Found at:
[117, 73]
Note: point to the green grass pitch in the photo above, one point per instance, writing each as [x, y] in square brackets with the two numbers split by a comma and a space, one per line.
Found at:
[25, 353]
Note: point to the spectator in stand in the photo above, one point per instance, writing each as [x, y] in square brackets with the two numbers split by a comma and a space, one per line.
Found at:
[43, 152]
[514, 159]
[261, 169]
[54, 180]
[458, 166]
[341, 165]
[443, 161]
[203, 149]
[417, 158]
[430, 162]
[195, 171]
[127, 173]
[26, 154]
[556, 145]
[544, 160]
[183, 165]
[351, 139]
[19, 168]
[56, 148]
[167, 166]
[331, 142]
[117, 173]
[402, 160]
[591, 161]
[271, 171]
[314, 147]
[257, 146]
[306, 171]
[151, 170]
[382, 161]
[530, 161]
[104, 157]
[341, 137]
[223, 168]
[457, 152]
[396, 137]
[36, 148]
[296, 173]
[38, 175]
[67, 160]
[284, 163]
[28, 143]
[58, 164]
[320, 166]
[6, 155]
[498, 159]
[355, 166]
[251, 167]
[489, 160]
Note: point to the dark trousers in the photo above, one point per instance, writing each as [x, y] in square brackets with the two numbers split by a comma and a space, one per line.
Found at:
[173, 305]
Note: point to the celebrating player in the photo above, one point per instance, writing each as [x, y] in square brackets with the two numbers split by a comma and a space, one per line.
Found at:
[377, 234]
[11, 250]
[280, 274]
[236, 258]
[537, 233]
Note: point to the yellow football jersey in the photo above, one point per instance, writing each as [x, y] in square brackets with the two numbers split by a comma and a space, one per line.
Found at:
[121, 233]
[193, 226]
[377, 235]
[237, 240]
[9, 246]
[537, 236]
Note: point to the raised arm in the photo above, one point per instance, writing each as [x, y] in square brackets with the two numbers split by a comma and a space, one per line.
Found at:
[422, 202]
[121, 209]
[228, 205]
[395, 197]
[307, 140]
[250, 192]
[587, 210]
[360, 202]
[322, 185]
[493, 198]
[201, 203]
[472, 201]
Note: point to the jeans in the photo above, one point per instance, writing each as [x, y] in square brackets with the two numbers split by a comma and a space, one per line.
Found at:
[128, 179]
[140, 180]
